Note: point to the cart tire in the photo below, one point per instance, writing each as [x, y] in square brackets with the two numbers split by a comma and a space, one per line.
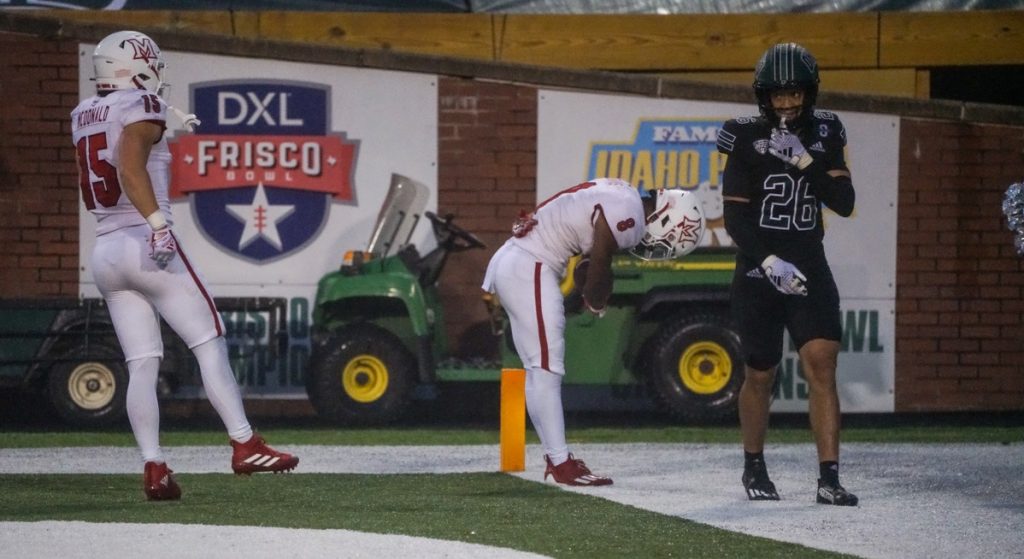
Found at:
[695, 368]
[89, 393]
[363, 375]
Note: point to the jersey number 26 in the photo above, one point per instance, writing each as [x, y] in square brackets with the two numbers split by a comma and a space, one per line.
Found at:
[788, 205]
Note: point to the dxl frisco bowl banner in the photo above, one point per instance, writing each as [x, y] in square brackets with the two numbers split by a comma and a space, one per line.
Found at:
[287, 171]
[670, 143]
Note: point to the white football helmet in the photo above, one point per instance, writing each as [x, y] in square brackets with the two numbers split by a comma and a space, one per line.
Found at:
[674, 228]
[128, 60]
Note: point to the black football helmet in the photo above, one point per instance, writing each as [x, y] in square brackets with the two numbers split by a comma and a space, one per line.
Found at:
[786, 66]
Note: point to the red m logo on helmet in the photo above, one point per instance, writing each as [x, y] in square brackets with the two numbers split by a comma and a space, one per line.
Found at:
[144, 49]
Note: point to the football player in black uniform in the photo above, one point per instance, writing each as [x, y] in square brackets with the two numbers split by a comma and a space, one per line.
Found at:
[783, 166]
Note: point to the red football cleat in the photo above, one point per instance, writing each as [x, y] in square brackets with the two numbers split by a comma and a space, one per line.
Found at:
[255, 456]
[573, 472]
[159, 484]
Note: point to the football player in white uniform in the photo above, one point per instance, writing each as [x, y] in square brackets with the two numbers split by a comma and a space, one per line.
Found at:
[138, 264]
[596, 219]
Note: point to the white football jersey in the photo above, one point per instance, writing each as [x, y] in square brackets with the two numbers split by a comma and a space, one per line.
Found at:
[563, 225]
[96, 125]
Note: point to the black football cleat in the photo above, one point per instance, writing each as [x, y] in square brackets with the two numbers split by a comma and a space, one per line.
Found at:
[755, 480]
[829, 494]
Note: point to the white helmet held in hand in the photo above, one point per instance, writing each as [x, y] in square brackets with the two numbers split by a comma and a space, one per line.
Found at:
[128, 60]
[674, 228]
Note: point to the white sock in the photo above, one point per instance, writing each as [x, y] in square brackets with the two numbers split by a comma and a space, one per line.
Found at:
[544, 403]
[221, 387]
[143, 407]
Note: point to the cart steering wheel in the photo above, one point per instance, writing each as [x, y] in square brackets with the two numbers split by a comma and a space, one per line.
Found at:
[468, 239]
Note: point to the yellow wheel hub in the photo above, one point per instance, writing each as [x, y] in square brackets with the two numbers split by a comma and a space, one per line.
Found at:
[705, 368]
[91, 386]
[365, 378]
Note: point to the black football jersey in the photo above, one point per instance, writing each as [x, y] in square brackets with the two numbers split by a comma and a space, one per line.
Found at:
[787, 214]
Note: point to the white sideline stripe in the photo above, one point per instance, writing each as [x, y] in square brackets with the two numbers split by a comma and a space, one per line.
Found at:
[76, 539]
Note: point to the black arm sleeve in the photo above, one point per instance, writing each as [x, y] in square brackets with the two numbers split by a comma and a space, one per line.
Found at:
[743, 230]
[835, 192]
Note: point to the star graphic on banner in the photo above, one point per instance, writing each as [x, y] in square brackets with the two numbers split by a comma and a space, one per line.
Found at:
[260, 219]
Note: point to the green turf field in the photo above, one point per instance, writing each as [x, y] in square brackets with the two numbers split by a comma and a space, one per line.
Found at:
[493, 509]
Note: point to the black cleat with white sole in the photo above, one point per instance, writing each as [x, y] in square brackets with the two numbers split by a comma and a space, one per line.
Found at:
[835, 494]
[755, 480]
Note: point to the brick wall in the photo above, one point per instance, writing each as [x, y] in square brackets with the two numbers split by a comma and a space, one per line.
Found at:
[960, 286]
[38, 193]
[487, 144]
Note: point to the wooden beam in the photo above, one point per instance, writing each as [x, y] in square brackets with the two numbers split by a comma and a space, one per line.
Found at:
[461, 35]
[902, 82]
[683, 42]
[527, 75]
[924, 39]
[211, 21]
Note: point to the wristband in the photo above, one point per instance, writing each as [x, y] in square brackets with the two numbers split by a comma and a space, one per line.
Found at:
[597, 312]
[768, 261]
[804, 161]
[157, 220]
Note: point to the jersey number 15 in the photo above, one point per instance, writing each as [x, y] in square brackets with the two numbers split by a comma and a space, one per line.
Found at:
[106, 190]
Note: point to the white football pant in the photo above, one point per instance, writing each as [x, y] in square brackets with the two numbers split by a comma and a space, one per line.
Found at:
[529, 292]
[136, 290]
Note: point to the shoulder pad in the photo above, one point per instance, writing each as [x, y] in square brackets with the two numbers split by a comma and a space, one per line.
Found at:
[826, 124]
[828, 117]
[732, 133]
[151, 102]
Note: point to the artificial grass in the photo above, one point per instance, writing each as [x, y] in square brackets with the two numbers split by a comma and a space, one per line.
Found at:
[485, 508]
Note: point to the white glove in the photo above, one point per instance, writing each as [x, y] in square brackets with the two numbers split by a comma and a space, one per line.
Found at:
[189, 120]
[162, 246]
[787, 147]
[784, 276]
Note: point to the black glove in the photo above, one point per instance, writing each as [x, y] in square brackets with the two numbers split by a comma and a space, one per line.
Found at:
[573, 302]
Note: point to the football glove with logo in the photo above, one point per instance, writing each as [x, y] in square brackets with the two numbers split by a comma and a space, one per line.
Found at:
[162, 246]
[787, 146]
[784, 276]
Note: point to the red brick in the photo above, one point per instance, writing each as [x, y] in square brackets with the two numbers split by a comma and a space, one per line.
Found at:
[59, 221]
[959, 345]
[58, 276]
[58, 248]
[38, 262]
